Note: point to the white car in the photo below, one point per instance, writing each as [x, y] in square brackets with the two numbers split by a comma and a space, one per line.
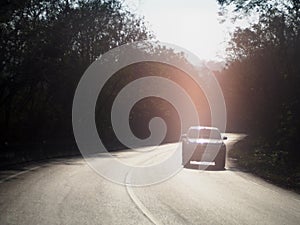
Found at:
[203, 148]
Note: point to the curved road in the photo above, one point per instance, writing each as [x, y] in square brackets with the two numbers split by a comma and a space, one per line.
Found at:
[70, 192]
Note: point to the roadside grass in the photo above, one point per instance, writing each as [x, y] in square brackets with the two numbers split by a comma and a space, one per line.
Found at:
[272, 166]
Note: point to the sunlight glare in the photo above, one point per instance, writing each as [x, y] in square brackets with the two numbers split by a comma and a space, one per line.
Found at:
[191, 24]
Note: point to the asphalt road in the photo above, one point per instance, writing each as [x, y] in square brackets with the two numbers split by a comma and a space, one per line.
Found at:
[68, 191]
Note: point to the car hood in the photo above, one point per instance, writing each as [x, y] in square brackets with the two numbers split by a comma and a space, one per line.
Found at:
[205, 141]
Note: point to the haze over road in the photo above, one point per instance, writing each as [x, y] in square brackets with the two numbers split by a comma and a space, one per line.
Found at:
[68, 191]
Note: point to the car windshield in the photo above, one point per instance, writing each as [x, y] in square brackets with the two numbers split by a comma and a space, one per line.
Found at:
[204, 134]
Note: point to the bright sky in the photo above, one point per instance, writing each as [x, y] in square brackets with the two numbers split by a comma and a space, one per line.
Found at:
[192, 24]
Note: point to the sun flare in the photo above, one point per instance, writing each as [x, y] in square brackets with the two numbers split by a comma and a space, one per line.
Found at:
[191, 24]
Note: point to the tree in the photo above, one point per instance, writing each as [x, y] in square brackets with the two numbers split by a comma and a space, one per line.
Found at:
[262, 77]
[45, 47]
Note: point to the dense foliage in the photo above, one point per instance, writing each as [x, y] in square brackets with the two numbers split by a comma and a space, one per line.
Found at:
[147, 108]
[46, 45]
[261, 82]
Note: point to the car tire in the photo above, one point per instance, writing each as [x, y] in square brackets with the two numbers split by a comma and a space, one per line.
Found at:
[220, 160]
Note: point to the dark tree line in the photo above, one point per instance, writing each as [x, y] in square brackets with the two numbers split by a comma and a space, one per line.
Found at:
[46, 45]
[261, 82]
[150, 107]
